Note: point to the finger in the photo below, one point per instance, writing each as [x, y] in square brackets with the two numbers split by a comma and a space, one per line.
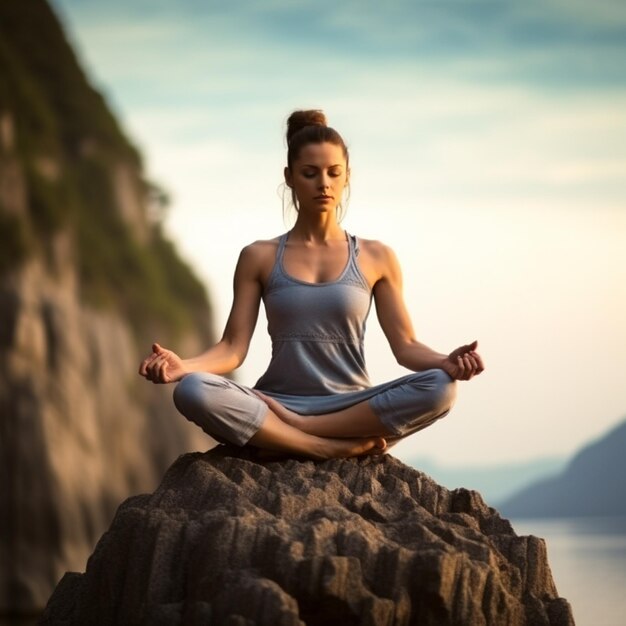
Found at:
[162, 372]
[471, 365]
[153, 367]
[152, 357]
[474, 365]
[262, 396]
[161, 362]
[156, 371]
[481, 365]
[156, 374]
[461, 365]
[473, 362]
[145, 363]
[468, 367]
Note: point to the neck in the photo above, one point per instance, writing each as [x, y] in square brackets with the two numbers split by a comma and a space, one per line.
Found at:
[317, 228]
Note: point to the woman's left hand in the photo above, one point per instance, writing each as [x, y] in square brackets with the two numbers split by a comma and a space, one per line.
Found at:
[464, 362]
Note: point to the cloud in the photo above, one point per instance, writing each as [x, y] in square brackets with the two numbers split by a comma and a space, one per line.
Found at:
[553, 45]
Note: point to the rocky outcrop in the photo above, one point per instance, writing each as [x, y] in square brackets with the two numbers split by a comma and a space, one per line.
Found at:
[226, 539]
[80, 431]
[87, 279]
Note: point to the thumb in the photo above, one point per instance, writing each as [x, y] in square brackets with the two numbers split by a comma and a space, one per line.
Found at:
[473, 345]
[157, 348]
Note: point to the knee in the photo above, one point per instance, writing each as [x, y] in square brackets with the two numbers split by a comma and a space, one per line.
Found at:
[444, 390]
[439, 387]
[193, 391]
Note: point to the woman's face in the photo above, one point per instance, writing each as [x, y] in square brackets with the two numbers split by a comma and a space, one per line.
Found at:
[318, 177]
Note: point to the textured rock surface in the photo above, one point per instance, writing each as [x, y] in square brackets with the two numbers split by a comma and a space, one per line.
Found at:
[79, 431]
[228, 540]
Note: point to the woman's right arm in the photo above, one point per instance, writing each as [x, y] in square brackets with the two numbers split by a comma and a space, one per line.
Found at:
[165, 366]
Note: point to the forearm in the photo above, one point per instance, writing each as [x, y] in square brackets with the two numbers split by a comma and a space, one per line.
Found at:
[219, 359]
[417, 356]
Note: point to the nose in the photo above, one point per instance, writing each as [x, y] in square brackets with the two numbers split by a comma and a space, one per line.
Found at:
[324, 181]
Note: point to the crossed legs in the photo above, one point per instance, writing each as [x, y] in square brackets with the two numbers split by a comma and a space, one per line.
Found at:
[277, 435]
[234, 413]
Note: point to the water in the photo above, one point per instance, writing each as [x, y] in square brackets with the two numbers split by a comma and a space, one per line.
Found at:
[588, 561]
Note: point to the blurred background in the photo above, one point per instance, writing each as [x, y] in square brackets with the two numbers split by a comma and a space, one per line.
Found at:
[143, 147]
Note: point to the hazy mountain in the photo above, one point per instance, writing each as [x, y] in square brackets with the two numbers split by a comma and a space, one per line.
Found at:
[593, 483]
[494, 482]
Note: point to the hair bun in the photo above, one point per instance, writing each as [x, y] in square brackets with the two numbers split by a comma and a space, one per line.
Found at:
[299, 119]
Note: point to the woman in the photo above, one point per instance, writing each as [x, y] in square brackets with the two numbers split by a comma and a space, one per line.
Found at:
[317, 283]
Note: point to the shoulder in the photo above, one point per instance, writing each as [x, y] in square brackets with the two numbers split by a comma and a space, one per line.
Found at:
[260, 248]
[377, 260]
[378, 252]
[258, 257]
[375, 248]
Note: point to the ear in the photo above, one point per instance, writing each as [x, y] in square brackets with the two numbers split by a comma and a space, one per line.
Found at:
[347, 177]
[288, 179]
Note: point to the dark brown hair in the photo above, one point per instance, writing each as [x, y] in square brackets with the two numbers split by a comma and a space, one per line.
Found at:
[304, 127]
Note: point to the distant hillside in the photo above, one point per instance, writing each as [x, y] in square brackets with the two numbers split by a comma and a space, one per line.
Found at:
[593, 483]
[88, 280]
[494, 482]
[70, 178]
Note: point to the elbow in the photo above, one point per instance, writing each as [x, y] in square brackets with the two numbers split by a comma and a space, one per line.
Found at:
[402, 362]
[238, 359]
[232, 354]
[401, 355]
[238, 355]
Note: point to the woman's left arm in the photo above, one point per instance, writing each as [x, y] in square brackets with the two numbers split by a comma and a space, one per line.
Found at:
[461, 364]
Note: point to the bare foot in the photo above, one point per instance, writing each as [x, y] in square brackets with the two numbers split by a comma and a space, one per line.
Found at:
[328, 449]
[281, 432]
[289, 417]
[345, 448]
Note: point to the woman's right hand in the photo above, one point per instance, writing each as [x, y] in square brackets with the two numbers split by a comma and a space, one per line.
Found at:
[162, 366]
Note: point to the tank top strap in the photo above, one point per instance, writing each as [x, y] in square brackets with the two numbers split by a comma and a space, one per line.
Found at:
[282, 240]
[351, 275]
[353, 245]
[354, 274]
[277, 275]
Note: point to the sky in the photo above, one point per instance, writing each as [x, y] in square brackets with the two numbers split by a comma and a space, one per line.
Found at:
[487, 147]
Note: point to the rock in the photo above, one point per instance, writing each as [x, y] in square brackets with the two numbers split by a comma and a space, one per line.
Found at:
[77, 433]
[226, 539]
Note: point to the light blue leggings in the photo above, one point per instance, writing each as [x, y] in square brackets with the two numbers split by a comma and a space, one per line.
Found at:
[233, 413]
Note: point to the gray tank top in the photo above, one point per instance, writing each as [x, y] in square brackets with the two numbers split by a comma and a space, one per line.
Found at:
[317, 330]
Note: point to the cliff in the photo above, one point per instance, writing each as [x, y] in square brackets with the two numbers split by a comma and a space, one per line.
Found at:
[226, 539]
[87, 281]
[593, 483]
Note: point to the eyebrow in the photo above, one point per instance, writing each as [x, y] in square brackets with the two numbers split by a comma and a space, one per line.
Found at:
[316, 167]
